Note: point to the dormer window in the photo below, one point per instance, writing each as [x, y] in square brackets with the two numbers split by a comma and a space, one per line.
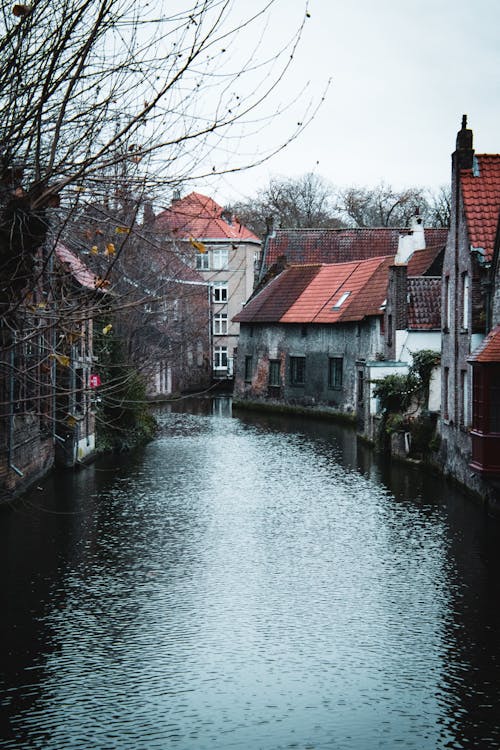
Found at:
[341, 300]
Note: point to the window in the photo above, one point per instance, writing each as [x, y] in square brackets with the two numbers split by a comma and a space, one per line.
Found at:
[341, 300]
[465, 396]
[189, 354]
[297, 370]
[335, 372]
[248, 368]
[220, 324]
[202, 261]
[465, 301]
[274, 372]
[220, 258]
[220, 358]
[447, 301]
[389, 330]
[220, 291]
[361, 383]
[446, 382]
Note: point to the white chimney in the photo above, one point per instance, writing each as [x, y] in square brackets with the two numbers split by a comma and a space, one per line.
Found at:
[408, 243]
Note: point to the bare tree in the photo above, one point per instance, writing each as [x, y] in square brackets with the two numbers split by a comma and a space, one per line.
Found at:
[385, 206]
[103, 102]
[299, 202]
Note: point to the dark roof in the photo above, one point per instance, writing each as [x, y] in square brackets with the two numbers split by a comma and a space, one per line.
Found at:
[199, 217]
[424, 303]
[310, 293]
[428, 262]
[341, 245]
[481, 197]
[489, 349]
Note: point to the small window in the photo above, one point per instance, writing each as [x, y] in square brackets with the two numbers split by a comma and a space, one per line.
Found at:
[446, 383]
[220, 324]
[464, 387]
[465, 301]
[220, 258]
[248, 368]
[335, 367]
[361, 383]
[220, 291]
[220, 358]
[202, 261]
[341, 300]
[274, 372]
[297, 370]
[447, 303]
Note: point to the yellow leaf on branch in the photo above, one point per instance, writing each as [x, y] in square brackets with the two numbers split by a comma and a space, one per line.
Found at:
[198, 245]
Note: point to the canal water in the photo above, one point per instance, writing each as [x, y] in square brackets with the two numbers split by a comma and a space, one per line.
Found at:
[248, 582]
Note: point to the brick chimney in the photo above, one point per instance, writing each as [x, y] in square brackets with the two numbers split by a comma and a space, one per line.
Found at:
[464, 153]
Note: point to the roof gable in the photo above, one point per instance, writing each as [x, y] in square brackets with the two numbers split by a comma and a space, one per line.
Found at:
[481, 199]
[200, 217]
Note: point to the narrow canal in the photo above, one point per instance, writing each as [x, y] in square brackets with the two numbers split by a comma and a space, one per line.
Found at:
[249, 582]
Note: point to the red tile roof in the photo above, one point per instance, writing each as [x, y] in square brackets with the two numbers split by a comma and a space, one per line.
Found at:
[481, 197]
[309, 293]
[200, 217]
[424, 305]
[489, 349]
[422, 261]
[76, 267]
[340, 245]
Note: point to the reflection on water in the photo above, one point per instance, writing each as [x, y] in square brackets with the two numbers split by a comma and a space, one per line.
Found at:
[251, 582]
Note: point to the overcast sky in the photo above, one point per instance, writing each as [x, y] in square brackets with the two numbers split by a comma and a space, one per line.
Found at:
[402, 74]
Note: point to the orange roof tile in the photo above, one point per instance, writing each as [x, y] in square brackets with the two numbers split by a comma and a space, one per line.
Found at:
[201, 218]
[308, 294]
[481, 197]
[489, 349]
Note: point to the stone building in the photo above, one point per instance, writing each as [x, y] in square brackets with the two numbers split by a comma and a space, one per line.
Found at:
[305, 337]
[466, 301]
[224, 252]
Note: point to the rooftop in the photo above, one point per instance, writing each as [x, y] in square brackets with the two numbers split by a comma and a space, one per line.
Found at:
[199, 217]
[317, 293]
[481, 197]
[489, 349]
[341, 245]
[424, 305]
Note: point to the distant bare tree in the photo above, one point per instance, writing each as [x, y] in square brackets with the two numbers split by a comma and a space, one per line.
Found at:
[294, 202]
[384, 206]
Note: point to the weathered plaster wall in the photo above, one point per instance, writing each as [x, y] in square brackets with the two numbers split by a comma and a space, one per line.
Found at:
[317, 343]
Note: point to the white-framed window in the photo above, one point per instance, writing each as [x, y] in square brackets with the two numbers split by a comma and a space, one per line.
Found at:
[189, 354]
[220, 324]
[220, 358]
[465, 300]
[175, 309]
[341, 300]
[202, 261]
[220, 258]
[220, 291]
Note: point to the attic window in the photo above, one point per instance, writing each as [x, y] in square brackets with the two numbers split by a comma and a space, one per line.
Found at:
[383, 305]
[475, 167]
[341, 300]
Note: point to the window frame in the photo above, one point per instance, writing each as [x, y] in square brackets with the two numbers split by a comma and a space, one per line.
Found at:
[274, 375]
[220, 258]
[297, 371]
[219, 292]
[248, 368]
[335, 372]
[219, 353]
[220, 325]
[202, 261]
